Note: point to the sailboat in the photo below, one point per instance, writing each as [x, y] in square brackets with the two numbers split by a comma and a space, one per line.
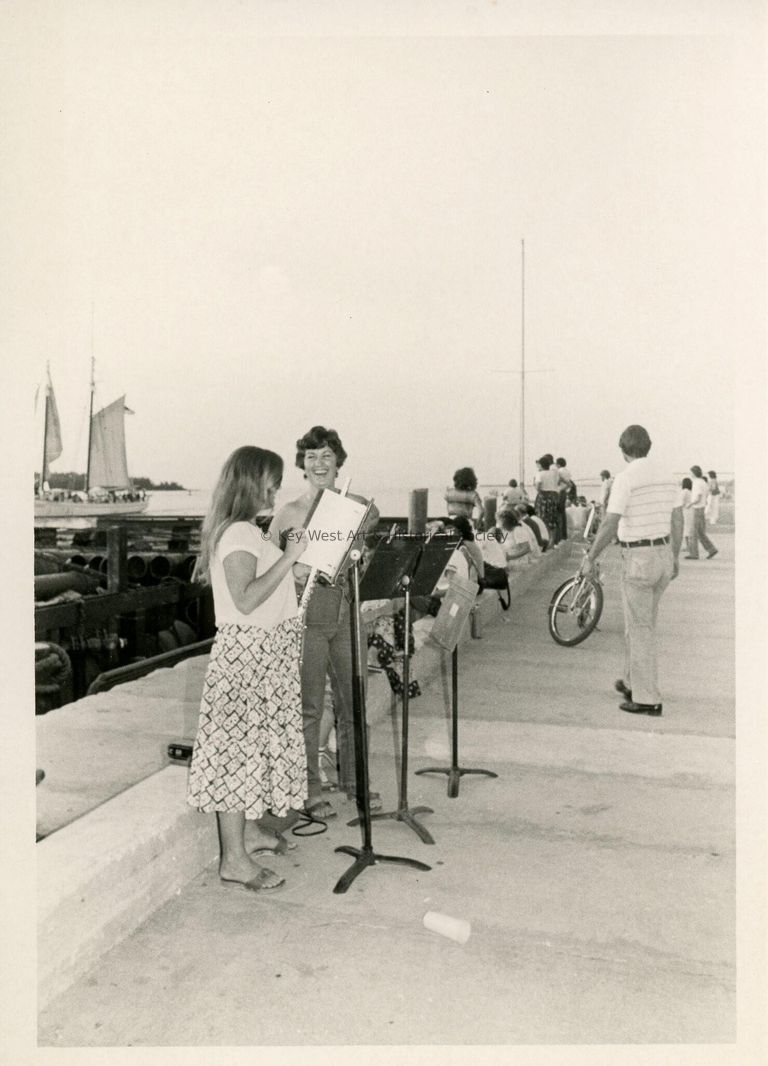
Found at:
[108, 487]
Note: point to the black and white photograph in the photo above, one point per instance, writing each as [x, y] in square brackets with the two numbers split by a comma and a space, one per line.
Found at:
[383, 382]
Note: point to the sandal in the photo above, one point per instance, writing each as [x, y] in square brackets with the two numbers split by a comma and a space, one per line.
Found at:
[257, 883]
[320, 810]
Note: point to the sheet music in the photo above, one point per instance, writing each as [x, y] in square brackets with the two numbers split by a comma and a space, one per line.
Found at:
[332, 525]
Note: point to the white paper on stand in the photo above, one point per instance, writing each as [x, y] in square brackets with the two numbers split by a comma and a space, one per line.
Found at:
[332, 526]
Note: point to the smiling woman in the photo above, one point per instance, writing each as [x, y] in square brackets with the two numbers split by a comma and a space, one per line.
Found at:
[326, 647]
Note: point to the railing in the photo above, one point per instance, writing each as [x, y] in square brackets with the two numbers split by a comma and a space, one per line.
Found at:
[133, 671]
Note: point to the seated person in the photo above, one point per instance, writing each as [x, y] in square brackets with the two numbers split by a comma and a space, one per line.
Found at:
[491, 548]
[466, 561]
[527, 515]
[514, 495]
[518, 541]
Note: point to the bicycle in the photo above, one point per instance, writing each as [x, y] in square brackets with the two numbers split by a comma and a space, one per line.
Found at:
[577, 604]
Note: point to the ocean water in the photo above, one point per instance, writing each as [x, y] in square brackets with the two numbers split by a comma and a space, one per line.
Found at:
[391, 502]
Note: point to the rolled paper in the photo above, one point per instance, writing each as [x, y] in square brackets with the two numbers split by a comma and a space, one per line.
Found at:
[457, 929]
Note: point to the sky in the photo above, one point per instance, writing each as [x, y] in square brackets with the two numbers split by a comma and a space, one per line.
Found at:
[256, 224]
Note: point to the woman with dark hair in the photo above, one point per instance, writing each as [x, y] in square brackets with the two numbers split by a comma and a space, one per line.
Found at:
[327, 648]
[463, 498]
[547, 482]
[248, 759]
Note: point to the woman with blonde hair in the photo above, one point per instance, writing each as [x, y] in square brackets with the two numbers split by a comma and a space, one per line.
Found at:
[249, 757]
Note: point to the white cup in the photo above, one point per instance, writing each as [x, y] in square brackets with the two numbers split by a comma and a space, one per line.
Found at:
[454, 928]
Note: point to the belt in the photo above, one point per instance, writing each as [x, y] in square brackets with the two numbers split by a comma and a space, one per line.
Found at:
[644, 543]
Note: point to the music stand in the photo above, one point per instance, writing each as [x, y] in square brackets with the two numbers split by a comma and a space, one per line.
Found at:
[364, 856]
[454, 771]
[406, 564]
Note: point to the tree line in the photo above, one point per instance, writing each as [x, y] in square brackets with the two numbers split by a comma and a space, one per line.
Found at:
[76, 482]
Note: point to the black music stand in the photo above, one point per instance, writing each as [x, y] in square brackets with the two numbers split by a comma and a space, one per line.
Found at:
[364, 856]
[454, 771]
[409, 565]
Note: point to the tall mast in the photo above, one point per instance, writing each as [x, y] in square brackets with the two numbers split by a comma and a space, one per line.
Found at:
[522, 366]
[90, 411]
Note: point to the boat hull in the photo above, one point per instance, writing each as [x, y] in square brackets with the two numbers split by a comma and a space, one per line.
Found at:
[52, 512]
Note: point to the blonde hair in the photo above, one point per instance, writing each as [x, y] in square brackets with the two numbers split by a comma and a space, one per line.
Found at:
[240, 493]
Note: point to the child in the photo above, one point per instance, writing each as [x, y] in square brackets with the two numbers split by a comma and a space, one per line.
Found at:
[249, 755]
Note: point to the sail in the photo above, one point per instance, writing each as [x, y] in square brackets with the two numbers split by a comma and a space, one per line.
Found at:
[108, 467]
[53, 446]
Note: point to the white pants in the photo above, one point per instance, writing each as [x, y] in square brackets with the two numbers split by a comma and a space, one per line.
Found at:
[646, 572]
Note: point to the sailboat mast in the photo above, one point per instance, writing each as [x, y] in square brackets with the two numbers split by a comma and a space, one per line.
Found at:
[522, 367]
[90, 425]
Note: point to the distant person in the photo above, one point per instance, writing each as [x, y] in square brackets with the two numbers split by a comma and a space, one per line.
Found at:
[514, 494]
[712, 510]
[687, 496]
[547, 482]
[327, 646]
[605, 489]
[248, 757]
[645, 513]
[566, 477]
[463, 498]
[699, 493]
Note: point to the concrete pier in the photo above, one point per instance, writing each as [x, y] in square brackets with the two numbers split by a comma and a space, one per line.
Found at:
[597, 871]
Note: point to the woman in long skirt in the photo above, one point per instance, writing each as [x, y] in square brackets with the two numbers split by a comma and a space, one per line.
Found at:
[548, 484]
[249, 756]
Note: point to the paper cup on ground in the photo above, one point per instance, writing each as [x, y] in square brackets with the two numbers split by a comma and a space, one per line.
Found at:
[454, 928]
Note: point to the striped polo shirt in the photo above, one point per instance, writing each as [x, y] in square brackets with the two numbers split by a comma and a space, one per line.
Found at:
[645, 495]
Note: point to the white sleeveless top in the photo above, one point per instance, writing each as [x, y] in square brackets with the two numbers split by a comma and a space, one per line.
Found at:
[245, 537]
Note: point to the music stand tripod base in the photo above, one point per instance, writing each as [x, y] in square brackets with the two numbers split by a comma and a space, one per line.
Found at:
[405, 815]
[454, 771]
[454, 775]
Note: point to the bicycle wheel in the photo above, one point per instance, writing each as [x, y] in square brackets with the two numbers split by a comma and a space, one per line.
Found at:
[575, 610]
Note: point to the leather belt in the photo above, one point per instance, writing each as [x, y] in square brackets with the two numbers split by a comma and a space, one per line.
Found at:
[644, 543]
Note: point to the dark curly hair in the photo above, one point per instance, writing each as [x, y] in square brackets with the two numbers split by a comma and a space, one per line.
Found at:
[320, 437]
[465, 479]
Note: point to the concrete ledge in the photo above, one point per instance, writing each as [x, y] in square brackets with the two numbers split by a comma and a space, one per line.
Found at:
[106, 873]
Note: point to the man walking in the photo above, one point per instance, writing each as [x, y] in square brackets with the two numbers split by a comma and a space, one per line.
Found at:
[699, 494]
[645, 513]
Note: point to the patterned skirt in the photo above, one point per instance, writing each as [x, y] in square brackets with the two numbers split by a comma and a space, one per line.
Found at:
[249, 754]
[545, 507]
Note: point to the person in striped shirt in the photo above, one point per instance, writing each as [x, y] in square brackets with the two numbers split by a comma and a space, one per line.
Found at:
[645, 514]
